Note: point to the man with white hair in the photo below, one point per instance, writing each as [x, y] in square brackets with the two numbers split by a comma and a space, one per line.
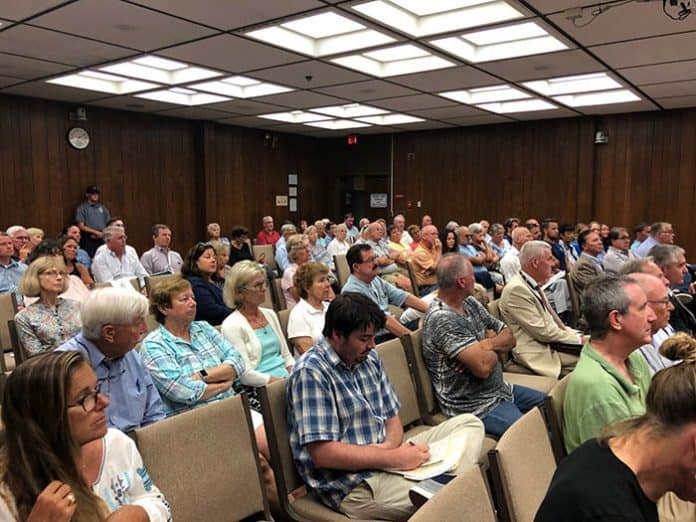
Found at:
[20, 240]
[281, 255]
[526, 310]
[116, 262]
[400, 223]
[672, 261]
[10, 270]
[113, 323]
[661, 233]
[510, 262]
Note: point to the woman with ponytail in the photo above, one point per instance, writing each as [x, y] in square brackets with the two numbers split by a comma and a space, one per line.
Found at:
[636, 463]
[59, 462]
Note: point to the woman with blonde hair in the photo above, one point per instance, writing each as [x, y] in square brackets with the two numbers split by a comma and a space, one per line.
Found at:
[306, 320]
[623, 474]
[51, 320]
[59, 462]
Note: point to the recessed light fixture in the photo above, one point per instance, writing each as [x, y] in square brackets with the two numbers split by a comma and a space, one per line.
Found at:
[391, 61]
[181, 96]
[597, 98]
[423, 18]
[337, 124]
[321, 35]
[511, 41]
[478, 95]
[102, 82]
[352, 110]
[507, 107]
[294, 116]
[391, 119]
[240, 87]
[160, 70]
[573, 84]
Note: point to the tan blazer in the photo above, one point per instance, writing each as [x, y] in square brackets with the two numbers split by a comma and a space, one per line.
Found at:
[534, 328]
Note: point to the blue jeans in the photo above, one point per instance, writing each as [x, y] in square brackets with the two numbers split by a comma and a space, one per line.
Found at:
[505, 413]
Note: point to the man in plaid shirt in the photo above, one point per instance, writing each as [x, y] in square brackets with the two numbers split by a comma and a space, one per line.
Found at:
[344, 425]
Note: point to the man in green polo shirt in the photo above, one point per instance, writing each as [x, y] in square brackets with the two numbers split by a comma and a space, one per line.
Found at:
[611, 379]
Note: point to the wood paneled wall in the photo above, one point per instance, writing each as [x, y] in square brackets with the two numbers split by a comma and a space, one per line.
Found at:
[150, 169]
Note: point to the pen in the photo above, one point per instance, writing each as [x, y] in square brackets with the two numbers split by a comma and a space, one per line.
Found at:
[411, 443]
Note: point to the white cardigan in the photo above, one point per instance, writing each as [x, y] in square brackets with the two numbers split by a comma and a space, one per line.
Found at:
[237, 330]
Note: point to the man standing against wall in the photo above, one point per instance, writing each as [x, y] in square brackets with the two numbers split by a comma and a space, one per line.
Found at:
[92, 217]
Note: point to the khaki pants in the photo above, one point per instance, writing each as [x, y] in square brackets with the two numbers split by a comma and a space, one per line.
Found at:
[670, 508]
[384, 496]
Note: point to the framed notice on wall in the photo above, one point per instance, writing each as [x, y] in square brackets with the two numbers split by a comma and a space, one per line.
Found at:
[378, 200]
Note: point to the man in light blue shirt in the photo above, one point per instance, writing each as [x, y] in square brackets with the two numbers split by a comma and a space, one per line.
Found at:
[113, 322]
[10, 270]
[281, 255]
[661, 233]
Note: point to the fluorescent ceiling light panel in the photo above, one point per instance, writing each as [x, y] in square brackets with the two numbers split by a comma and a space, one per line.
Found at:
[508, 107]
[597, 98]
[423, 18]
[573, 84]
[400, 59]
[181, 96]
[321, 35]
[495, 93]
[240, 87]
[337, 124]
[504, 42]
[294, 116]
[391, 119]
[160, 70]
[101, 82]
[353, 110]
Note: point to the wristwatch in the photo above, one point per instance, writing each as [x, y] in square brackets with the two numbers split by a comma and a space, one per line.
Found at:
[204, 376]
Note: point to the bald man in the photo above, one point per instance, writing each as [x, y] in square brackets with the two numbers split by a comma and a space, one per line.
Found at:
[425, 259]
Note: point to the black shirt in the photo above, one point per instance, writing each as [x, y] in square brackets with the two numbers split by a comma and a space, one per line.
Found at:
[592, 484]
[239, 254]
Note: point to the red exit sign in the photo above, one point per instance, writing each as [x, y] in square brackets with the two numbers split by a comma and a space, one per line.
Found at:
[352, 139]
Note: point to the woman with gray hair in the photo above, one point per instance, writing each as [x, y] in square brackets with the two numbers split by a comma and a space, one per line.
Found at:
[51, 320]
[253, 330]
[299, 252]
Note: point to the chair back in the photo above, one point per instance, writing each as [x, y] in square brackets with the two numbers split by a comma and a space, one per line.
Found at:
[151, 322]
[412, 277]
[283, 318]
[213, 474]
[553, 408]
[396, 365]
[279, 297]
[522, 465]
[574, 299]
[268, 296]
[494, 309]
[342, 269]
[269, 258]
[466, 495]
[152, 280]
[105, 284]
[8, 309]
[424, 386]
[20, 355]
[274, 408]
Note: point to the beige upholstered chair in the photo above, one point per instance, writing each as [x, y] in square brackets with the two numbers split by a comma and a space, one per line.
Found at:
[20, 355]
[283, 318]
[279, 297]
[522, 465]
[269, 256]
[8, 309]
[466, 496]
[306, 508]
[412, 276]
[553, 407]
[342, 269]
[205, 462]
[268, 296]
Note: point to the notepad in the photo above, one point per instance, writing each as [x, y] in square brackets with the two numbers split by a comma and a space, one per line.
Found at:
[445, 455]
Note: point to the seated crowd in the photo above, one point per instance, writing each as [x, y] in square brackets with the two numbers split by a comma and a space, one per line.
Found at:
[125, 341]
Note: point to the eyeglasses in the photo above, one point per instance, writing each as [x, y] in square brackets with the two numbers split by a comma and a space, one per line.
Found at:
[624, 237]
[370, 259]
[257, 286]
[52, 272]
[659, 301]
[89, 401]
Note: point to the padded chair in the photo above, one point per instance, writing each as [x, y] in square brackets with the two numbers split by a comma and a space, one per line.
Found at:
[494, 309]
[213, 474]
[466, 495]
[8, 309]
[342, 269]
[574, 300]
[412, 276]
[101, 285]
[268, 296]
[308, 508]
[151, 281]
[522, 465]
[151, 322]
[536, 382]
[553, 408]
[269, 258]
[278, 297]
[283, 317]
[17, 350]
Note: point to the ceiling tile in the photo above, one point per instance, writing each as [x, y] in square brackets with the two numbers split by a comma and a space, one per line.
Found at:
[666, 72]
[230, 15]
[53, 92]
[626, 22]
[248, 107]
[7, 80]
[678, 102]
[448, 113]
[424, 125]
[563, 63]
[320, 75]
[369, 90]
[485, 119]
[408, 103]
[231, 53]
[21, 9]
[670, 89]
[446, 79]
[28, 68]
[122, 24]
[302, 99]
[639, 106]
[49, 45]
[648, 51]
[552, 6]
[545, 115]
[131, 103]
[194, 113]
[249, 121]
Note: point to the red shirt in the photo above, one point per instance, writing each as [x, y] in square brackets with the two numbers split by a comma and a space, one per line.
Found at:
[264, 238]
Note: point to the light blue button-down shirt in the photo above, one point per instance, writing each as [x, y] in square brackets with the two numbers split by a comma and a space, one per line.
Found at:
[134, 400]
[10, 276]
